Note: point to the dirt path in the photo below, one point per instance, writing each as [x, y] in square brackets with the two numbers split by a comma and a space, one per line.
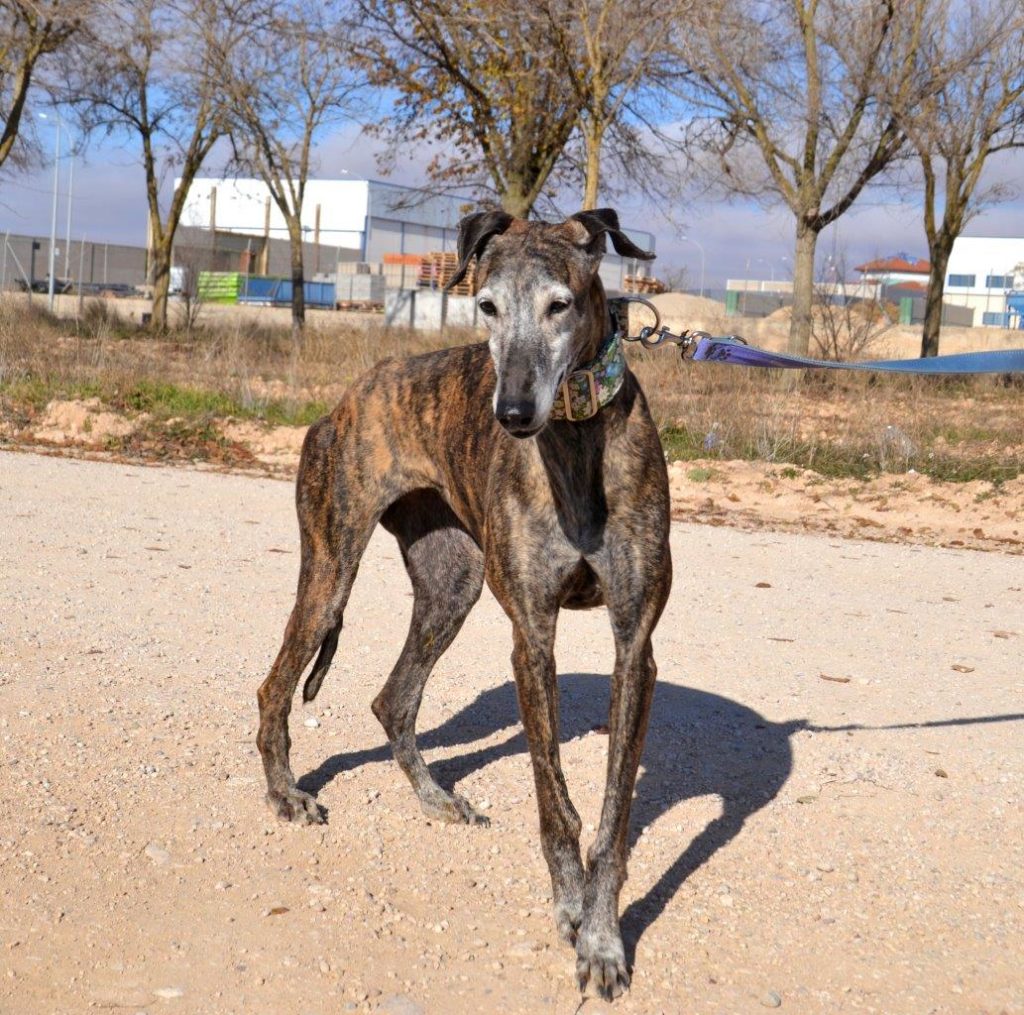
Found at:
[829, 817]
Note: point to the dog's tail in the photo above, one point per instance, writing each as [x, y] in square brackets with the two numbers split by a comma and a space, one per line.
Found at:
[323, 663]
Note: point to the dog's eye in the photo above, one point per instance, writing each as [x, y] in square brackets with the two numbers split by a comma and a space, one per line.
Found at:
[487, 308]
[558, 307]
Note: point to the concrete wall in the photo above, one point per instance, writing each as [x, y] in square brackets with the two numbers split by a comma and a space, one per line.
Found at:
[27, 257]
[957, 316]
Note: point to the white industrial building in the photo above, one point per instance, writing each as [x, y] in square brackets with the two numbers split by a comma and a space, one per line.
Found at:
[984, 274]
[376, 221]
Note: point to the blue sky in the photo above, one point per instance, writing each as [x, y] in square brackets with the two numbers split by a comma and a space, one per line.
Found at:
[740, 238]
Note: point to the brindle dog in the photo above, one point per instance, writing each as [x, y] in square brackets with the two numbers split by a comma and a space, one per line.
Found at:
[454, 453]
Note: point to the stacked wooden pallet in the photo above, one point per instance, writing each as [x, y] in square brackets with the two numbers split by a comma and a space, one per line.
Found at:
[644, 284]
[436, 270]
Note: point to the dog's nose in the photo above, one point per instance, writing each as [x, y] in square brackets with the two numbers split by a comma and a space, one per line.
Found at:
[516, 415]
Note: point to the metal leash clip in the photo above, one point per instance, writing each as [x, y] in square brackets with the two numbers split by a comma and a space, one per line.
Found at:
[651, 336]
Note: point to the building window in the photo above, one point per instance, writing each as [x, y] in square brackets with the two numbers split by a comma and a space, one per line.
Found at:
[998, 281]
[992, 318]
[962, 281]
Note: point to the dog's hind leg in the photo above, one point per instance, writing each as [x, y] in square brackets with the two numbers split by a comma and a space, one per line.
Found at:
[335, 525]
[446, 568]
[311, 621]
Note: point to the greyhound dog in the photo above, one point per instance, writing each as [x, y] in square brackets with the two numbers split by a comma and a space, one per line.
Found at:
[535, 465]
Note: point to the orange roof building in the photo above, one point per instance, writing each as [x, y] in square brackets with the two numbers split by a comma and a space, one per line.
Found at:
[894, 269]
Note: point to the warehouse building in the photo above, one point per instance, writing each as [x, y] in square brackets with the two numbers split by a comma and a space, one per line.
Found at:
[381, 224]
[986, 275]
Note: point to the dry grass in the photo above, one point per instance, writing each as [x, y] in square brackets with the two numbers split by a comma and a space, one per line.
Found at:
[219, 370]
[836, 424]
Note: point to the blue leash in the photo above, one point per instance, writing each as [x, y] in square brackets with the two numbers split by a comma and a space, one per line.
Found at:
[734, 350]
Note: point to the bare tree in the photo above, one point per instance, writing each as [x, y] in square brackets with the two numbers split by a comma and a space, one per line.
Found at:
[844, 326]
[287, 78]
[146, 70]
[30, 31]
[614, 53]
[968, 105]
[481, 83]
[790, 100]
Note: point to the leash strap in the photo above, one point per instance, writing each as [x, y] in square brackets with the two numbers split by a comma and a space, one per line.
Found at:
[732, 350]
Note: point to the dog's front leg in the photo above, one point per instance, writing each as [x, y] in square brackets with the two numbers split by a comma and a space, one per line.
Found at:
[601, 958]
[537, 686]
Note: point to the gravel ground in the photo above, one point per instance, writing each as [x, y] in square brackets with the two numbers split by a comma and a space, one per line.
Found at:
[828, 819]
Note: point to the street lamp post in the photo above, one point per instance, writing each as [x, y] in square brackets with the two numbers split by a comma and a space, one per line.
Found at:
[53, 217]
[689, 239]
[67, 236]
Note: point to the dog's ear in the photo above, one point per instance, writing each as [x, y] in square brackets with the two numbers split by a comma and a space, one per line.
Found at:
[605, 221]
[475, 232]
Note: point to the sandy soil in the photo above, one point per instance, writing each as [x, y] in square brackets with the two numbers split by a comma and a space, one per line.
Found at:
[906, 507]
[829, 816]
[751, 495]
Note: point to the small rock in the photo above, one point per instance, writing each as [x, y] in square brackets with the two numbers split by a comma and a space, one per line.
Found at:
[771, 1000]
[158, 854]
[311, 721]
[168, 993]
[400, 1004]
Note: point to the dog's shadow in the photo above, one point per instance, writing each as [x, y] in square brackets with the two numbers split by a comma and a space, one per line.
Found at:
[698, 744]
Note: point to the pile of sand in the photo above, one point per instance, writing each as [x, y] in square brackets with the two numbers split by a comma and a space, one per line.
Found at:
[680, 311]
[277, 446]
[78, 422]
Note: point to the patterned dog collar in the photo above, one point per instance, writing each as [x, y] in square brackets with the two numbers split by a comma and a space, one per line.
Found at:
[586, 391]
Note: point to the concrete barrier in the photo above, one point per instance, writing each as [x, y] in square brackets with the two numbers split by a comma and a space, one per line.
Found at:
[429, 310]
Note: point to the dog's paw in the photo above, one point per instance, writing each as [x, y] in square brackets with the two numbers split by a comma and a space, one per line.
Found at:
[601, 962]
[294, 805]
[454, 809]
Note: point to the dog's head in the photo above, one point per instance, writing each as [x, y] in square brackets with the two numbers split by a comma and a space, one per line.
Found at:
[541, 300]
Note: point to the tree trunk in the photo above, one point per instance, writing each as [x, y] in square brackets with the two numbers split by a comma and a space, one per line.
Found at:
[803, 290]
[938, 256]
[298, 280]
[160, 256]
[593, 138]
[515, 200]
